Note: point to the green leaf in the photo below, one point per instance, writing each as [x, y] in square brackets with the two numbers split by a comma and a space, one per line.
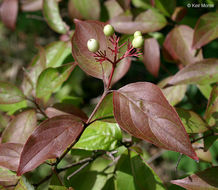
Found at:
[174, 94]
[7, 177]
[166, 6]
[101, 136]
[205, 90]
[56, 187]
[53, 17]
[204, 180]
[105, 110]
[4, 121]
[211, 114]
[24, 184]
[50, 80]
[10, 94]
[134, 174]
[144, 4]
[12, 108]
[192, 121]
[93, 177]
[55, 53]
[20, 128]
[201, 72]
[208, 141]
[83, 9]
[206, 29]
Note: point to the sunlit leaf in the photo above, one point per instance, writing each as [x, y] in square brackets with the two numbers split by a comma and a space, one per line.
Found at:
[174, 94]
[148, 21]
[10, 94]
[20, 128]
[12, 108]
[56, 53]
[204, 156]
[105, 110]
[86, 30]
[211, 114]
[7, 177]
[151, 57]
[48, 141]
[193, 122]
[132, 174]
[24, 184]
[83, 9]
[201, 72]
[204, 180]
[10, 155]
[205, 90]
[178, 44]
[206, 29]
[144, 4]
[51, 79]
[8, 13]
[113, 8]
[142, 110]
[53, 17]
[33, 5]
[100, 136]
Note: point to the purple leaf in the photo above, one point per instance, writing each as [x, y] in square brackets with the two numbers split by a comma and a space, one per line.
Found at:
[206, 30]
[148, 21]
[8, 13]
[20, 128]
[204, 180]
[178, 45]
[10, 155]
[86, 30]
[49, 140]
[142, 110]
[201, 72]
[151, 57]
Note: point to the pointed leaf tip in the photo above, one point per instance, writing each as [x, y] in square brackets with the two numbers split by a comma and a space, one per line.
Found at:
[142, 110]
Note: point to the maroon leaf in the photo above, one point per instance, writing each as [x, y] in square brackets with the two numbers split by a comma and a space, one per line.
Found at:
[204, 180]
[178, 45]
[48, 141]
[65, 109]
[142, 110]
[201, 72]
[10, 155]
[20, 128]
[148, 21]
[151, 56]
[206, 29]
[179, 14]
[8, 13]
[86, 30]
